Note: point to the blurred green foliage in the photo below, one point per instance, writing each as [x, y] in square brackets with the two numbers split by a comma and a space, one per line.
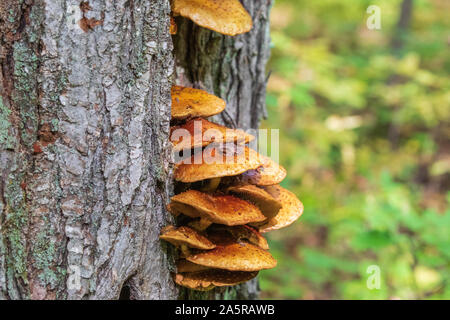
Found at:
[364, 135]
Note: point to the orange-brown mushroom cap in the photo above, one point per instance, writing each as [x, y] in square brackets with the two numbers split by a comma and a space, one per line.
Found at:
[292, 209]
[269, 173]
[222, 209]
[203, 132]
[216, 164]
[186, 236]
[191, 103]
[224, 16]
[208, 279]
[268, 205]
[235, 257]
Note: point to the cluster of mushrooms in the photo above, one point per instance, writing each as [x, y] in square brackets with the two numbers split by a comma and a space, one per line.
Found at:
[221, 208]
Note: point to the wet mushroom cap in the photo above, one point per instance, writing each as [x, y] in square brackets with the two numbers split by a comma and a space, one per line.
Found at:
[269, 173]
[268, 205]
[222, 209]
[208, 132]
[219, 161]
[191, 103]
[222, 235]
[235, 257]
[208, 279]
[228, 17]
[292, 209]
[186, 236]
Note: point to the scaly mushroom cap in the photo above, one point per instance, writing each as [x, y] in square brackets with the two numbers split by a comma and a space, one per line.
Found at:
[292, 209]
[224, 16]
[235, 257]
[191, 103]
[208, 279]
[186, 236]
[222, 209]
[208, 132]
[218, 164]
[269, 173]
[222, 235]
[268, 205]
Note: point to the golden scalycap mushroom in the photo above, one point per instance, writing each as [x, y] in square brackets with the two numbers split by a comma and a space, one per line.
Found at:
[222, 209]
[186, 236]
[224, 16]
[235, 257]
[268, 205]
[203, 132]
[269, 173]
[191, 103]
[208, 279]
[219, 161]
[292, 209]
[222, 235]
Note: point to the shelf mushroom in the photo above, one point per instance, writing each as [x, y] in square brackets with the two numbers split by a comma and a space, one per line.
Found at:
[208, 279]
[200, 133]
[235, 257]
[217, 164]
[292, 209]
[269, 173]
[228, 17]
[192, 103]
[222, 209]
[268, 205]
[185, 237]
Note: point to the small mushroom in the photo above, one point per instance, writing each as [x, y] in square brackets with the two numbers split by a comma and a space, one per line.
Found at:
[228, 17]
[208, 279]
[173, 26]
[184, 237]
[191, 103]
[292, 209]
[221, 235]
[214, 165]
[235, 257]
[221, 209]
[208, 132]
[268, 205]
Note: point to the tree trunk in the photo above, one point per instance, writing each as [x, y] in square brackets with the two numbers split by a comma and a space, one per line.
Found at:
[84, 122]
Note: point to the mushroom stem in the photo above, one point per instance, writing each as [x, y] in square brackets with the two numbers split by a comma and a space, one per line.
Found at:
[200, 225]
[212, 184]
[185, 252]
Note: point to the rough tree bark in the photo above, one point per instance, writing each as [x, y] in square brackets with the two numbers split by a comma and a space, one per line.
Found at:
[84, 155]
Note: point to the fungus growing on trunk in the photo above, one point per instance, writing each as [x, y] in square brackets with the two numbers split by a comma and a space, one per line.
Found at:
[269, 173]
[208, 279]
[228, 17]
[292, 209]
[208, 132]
[192, 103]
[222, 209]
[268, 205]
[216, 165]
[184, 238]
[235, 257]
